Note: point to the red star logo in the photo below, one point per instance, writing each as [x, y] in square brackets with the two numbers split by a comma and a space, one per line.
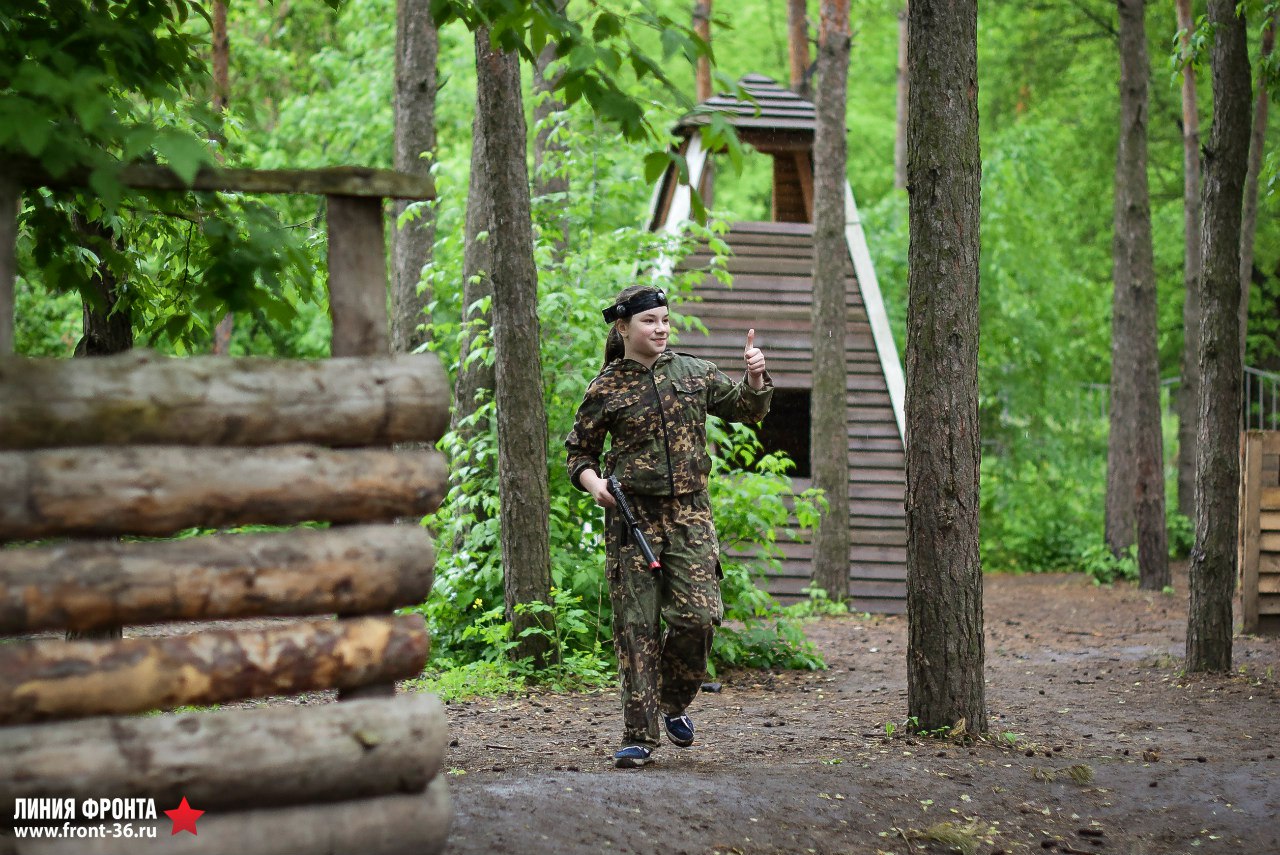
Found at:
[184, 817]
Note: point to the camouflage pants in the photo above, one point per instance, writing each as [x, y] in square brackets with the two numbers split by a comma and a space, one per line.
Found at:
[662, 670]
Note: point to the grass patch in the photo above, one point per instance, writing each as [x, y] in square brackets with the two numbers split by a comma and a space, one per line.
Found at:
[961, 838]
[1080, 773]
[473, 680]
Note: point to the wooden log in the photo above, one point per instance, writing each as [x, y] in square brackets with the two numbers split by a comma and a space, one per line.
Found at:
[160, 490]
[53, 679]
[141, 397]
[86, 586]
[357, 277]
[415, 824]
[231, 759]
[343, 180]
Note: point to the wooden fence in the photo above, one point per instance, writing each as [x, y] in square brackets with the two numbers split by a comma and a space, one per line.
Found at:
[98, 455]
[1260, 533]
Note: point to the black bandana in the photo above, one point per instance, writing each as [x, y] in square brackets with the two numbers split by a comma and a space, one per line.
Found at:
[641, 302]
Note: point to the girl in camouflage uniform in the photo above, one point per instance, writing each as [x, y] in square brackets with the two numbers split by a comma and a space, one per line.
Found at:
[652, 404]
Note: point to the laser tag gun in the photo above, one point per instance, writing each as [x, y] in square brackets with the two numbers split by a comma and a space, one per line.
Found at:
[629, 517]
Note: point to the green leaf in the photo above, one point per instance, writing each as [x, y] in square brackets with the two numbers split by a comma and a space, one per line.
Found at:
[697, 209]
[33, 135]
[184, 153]
[655, 164]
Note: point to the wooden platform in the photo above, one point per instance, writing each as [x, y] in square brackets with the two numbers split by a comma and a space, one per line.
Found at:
[772, 289]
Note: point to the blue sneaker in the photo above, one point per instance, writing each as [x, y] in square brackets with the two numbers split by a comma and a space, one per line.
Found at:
[679, 729]
[633, 757]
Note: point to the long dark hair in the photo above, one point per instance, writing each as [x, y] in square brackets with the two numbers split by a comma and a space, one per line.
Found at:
[613, 345]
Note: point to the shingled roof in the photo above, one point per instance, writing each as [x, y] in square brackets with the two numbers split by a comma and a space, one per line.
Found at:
[773, 108]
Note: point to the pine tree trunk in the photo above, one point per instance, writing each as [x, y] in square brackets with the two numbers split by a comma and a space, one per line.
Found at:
[1188, 397]
[1213, 559]
[945, 656]
[1141, 361]
[521, 413]
[798, 48]
[548, 177]
[417, 47]
[1257, 141]
[702, 26]
[475, 379]
[1122, 470]
[829, 435]
[900, 134]
[475, 375]
[221, 44]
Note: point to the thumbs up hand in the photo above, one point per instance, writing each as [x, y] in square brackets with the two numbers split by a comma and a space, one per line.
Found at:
[755, 362]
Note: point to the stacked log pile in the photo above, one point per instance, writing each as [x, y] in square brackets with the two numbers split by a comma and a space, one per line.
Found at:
[97, 457]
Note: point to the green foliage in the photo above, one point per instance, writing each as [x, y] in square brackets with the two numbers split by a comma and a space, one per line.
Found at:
[452, 681]
[753, 499]
[89, 88]
[82, 81]
[817, 603]
[1182, 534]
[1105, 568]
[599, 52]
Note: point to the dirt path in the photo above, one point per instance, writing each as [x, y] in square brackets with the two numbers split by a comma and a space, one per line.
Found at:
[1085, 677]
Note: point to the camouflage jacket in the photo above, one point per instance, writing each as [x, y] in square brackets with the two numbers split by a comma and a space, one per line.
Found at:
[657, 421]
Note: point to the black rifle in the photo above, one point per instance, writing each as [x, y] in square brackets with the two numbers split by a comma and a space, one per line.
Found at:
[629, 517]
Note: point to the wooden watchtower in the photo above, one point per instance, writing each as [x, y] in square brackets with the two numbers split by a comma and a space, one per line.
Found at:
[772, 269]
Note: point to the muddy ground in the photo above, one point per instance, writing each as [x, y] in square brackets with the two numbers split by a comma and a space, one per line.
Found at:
[1081, 678]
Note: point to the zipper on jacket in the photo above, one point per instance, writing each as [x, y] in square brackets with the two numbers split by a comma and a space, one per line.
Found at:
[666, 437]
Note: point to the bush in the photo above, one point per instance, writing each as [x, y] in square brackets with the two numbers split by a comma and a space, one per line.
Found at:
[1105, 568]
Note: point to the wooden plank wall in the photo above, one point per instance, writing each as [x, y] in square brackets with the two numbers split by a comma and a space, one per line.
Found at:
[772, 266]
[1260, 533]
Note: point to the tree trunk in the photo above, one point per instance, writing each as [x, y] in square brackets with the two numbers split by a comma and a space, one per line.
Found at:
[108, 318]
[1257, 142]
[221, 44]
[1134, 259]
[159, 490]
[1188, 397]
[1213, 559]
[798, 48]
[44, 680]
[88, 585]
[828, 432]
[550, 172]
[228, 759]
[702, 26]
[900, 135]
[945, 657]
[417, 47]
[521, 412]
[141, 397]
[475, 376]
[1120, 523]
